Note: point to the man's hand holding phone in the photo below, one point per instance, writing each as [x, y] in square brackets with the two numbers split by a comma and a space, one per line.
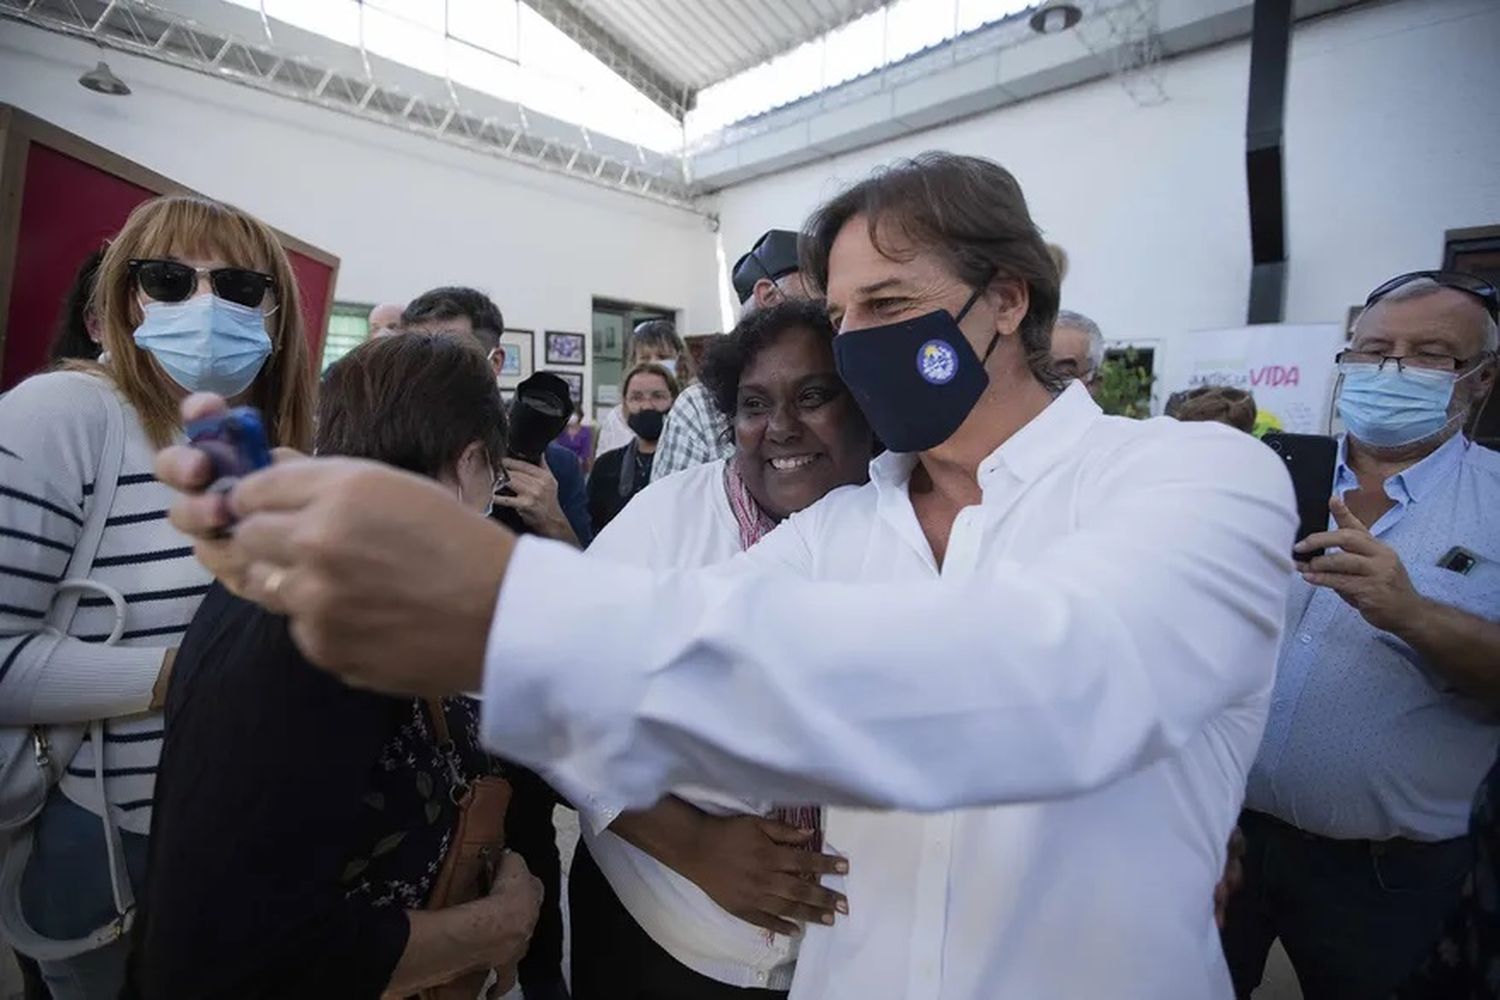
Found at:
[1365, 572]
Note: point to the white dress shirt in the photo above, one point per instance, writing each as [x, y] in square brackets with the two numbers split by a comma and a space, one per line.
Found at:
[681, 522]
[1086, 677]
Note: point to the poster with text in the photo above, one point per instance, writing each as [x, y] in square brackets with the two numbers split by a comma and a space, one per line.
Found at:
[1287, 367]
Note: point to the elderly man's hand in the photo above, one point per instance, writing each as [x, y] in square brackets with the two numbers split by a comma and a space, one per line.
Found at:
[1366, 573]
[388, 581]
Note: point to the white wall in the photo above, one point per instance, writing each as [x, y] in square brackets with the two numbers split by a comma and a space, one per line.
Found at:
[1393, 136]
[404, 213]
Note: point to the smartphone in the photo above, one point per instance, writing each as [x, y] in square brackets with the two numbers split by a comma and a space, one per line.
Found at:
[235, 442]
[1310, 460]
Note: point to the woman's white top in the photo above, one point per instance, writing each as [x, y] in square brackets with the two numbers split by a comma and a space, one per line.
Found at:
[682, 522]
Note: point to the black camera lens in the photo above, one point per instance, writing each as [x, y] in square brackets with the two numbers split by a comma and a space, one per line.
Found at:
[538, 415]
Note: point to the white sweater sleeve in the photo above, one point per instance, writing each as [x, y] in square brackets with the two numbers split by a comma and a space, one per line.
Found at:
[51, 435]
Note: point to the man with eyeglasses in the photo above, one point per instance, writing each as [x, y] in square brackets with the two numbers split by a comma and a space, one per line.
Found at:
[1384, 716]
[1078, 349]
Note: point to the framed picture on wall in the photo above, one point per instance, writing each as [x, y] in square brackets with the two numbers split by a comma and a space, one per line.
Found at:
[518, 345]
[609, 394]
[564, 348]
[575, 384]
[609, 336]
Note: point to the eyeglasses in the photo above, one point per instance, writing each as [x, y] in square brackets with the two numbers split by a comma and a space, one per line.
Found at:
[1477, 287]
[1068, 368]
[1418, 362]
[657, 396]
[174, 281]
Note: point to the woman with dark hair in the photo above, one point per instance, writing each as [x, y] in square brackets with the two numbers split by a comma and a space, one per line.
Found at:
[703, 895]
[77, 336]
[648, 392]
[301, 825]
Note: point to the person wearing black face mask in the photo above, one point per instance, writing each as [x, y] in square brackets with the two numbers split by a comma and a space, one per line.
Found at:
[1048, 633]
[649, 390]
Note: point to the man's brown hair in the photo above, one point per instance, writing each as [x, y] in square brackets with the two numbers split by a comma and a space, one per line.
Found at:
[969, 210]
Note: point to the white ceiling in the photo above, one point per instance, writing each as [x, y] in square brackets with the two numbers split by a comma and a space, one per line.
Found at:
[697, 43]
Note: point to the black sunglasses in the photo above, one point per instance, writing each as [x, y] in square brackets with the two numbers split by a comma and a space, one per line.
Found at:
[1477, 287]
[174, 281]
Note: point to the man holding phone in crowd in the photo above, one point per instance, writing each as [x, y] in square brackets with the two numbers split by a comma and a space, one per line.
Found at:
[1062, 624]
[1384, 718]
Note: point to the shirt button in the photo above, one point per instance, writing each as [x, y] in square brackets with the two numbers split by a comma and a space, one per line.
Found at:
[1305, 638]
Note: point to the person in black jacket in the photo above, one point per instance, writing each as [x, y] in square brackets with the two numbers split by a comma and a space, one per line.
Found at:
[299, 823]
[649, 391]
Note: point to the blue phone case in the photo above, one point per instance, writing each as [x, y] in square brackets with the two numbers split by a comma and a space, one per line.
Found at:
[235, 442]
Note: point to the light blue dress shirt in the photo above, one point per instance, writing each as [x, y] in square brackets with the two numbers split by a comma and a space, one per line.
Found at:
[1365, 740]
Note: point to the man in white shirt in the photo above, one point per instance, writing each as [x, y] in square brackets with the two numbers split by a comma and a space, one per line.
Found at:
[1060, 623]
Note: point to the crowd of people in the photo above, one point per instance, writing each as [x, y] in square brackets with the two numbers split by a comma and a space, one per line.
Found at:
[875, 659]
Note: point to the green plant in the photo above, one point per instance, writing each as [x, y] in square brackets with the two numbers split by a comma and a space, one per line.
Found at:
[1124, 385]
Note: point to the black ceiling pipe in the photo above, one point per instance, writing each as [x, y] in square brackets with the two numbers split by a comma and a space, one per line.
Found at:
[1270, 42]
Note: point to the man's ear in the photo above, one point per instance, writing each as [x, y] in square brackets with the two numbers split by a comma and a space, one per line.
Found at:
[497, 360]
[1485, 391]
[1010, 298]
[473, 459]
[765, 293]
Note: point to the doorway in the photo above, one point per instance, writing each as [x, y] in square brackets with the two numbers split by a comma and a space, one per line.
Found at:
[1477, 252]
[613, 321]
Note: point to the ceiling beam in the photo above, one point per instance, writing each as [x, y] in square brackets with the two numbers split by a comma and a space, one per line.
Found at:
[152, 32]
[675, 97]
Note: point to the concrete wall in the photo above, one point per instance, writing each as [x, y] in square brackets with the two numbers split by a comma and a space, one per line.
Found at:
[1392, 137]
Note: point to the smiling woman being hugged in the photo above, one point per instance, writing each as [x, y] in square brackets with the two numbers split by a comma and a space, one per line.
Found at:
[192, 295]
[704, 895]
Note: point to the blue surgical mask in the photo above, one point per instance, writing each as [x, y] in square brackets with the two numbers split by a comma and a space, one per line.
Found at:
[205, 343]
[1389, 408]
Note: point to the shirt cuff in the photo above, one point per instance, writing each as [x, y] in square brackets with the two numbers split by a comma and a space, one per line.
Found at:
[556, 697]
[86, 680]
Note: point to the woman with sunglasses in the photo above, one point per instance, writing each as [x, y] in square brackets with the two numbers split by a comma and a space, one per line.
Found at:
[192, 295]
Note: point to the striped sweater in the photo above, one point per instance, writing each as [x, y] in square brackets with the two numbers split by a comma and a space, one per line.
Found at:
[52, 430]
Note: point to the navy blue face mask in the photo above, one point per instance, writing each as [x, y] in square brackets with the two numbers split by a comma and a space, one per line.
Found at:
[916, 380]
